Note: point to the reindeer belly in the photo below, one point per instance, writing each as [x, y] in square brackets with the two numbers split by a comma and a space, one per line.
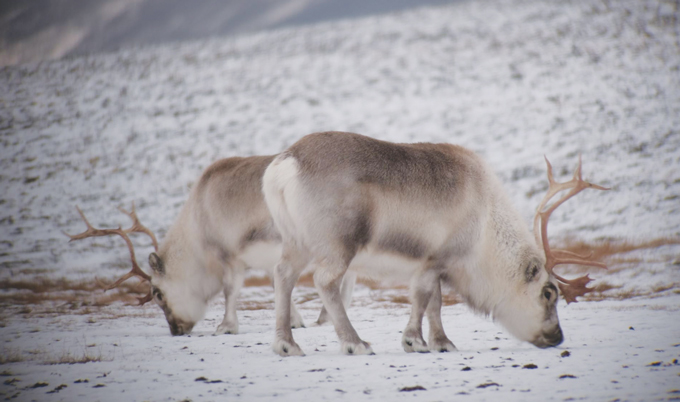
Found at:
[261, 255]
[384, 266]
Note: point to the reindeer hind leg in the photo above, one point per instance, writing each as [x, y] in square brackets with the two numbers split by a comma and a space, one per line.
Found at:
[327, 278]
[346, 290]
[286, 275]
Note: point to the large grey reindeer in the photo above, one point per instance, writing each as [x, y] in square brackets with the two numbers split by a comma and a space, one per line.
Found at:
[222, 230]
[434, 211]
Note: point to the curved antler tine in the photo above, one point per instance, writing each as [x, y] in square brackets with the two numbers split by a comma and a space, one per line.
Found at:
[135, 271]
[570, 254]
[147, 298]
[575, 287]
[141, 274]
[141, 300]
[578, 172]
[551, 178]
[89, 232]
[576, 184]
[115, 284]
[87, 223]
[101, 284]
[94, 232]
[578, 178]
[137, 227]
[579, 261]
[553, 189]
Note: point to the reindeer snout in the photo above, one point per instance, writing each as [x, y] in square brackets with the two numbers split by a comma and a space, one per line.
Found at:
[549, 339]
[180, 328]
[555, 338]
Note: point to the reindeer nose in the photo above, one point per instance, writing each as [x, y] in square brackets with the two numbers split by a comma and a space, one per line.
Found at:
[175, 329]
[549, 339]
[180, 328]
[554, 338]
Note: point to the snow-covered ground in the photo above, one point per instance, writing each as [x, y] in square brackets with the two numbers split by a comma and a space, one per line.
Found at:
[613, 350]
[513, 80]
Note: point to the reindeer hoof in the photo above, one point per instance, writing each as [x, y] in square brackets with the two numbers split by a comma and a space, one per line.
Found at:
[414, 344]
[226, 329]
[297, 325]
[442, 345]
[296, 321]
[363, 348]
[412, 341]
[283, 348]
[323, 318]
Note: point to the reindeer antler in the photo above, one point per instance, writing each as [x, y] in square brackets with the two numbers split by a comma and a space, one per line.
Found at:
[136, 227]
[570, 288]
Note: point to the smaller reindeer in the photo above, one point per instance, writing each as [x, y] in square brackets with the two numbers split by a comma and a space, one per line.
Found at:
[435, 211]
[223, 229]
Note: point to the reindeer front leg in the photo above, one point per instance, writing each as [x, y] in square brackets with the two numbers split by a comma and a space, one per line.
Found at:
[437, 340]
[423, 287]
[295, 317]
[296, 320]
[286, 275]
[229, 324]
[232, 283]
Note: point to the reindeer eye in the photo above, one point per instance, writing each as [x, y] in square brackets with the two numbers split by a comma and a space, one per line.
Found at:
[157, 294]
[548, 291]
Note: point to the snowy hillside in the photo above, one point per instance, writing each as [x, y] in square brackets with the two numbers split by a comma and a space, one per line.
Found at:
[511, 79]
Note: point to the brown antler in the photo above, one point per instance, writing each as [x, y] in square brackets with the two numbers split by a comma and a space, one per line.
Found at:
[570, 288]
[136, 227]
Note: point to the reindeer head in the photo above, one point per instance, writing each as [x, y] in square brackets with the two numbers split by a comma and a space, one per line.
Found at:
[551, 334]
[169, 295]
[182, 309]
[528, 309]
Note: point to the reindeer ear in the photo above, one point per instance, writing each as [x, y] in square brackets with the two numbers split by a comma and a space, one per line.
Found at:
[531, 271]
[156, 263]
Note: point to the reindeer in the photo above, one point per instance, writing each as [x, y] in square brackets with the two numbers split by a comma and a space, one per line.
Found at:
[435, 212]
[222, 230]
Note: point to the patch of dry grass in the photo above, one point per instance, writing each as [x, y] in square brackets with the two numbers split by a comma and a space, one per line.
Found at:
[14, 355]
[603, 290]
[306, 281]
[82, 297]
[10, 356]
[72, 292]
[397, 299]
[615, 254]
[618, 293]
[256, 281]
[606, 249]
[70, 358]
[447, 299]
[255, 305]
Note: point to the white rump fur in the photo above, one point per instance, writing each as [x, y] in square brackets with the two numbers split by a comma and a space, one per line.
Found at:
[434, 213]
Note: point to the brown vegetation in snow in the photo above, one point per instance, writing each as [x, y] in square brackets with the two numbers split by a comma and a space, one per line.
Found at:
[88, 293]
